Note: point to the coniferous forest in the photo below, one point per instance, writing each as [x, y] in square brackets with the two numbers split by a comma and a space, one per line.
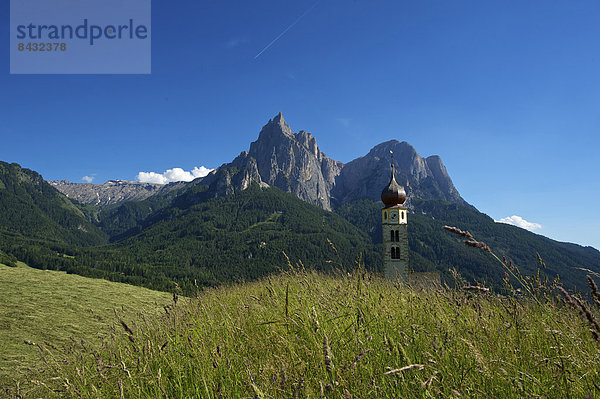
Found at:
[186, 238]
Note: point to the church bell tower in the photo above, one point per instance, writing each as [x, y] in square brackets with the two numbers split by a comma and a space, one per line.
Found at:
[394, 219]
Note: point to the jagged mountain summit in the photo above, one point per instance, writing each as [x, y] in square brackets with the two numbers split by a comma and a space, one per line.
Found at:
[294, 163]
[289, 161]
[198, 232]
[425, 178]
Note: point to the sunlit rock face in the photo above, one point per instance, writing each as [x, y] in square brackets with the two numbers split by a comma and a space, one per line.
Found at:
[294, 163]
[110, 193]
[425, 178]
[289, 161]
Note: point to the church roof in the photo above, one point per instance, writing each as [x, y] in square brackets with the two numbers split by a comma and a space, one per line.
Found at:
[393, 194]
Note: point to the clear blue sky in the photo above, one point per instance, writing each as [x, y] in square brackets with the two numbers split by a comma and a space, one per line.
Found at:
[506, 92]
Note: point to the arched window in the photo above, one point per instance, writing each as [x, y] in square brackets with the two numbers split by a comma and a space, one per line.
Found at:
[392, 235]
[385, 215]
[397, 235]
[402, 213]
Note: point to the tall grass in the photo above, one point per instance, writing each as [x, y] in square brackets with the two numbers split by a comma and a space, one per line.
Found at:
[305, 334]
[43, 310]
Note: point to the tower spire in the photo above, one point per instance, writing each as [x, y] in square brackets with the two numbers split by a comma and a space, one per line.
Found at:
[393, 194]
[394, 227]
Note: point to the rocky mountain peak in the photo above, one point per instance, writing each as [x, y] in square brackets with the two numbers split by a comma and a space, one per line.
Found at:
[294, 163]
[421, 177]
[280, 158]
[274, 131]
[279, 119]
[308, 141]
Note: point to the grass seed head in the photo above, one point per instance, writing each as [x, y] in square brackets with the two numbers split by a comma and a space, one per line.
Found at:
[405, 368]
[327, 355]
[126, 327]
[568, 297]
[459, 232]
[314, 319]
[478, 244]
[595, 292]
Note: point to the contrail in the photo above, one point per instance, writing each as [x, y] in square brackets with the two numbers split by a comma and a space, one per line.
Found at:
[286, 29]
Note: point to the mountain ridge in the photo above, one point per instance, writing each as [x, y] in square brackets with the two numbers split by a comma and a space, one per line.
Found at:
[31, 207]
[425, 178]
[293, 162]
[111, 192]
[209, 229]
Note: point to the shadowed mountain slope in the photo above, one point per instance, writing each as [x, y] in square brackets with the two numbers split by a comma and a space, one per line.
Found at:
[31, 207]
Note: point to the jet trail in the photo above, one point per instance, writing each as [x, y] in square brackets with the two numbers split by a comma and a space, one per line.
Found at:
[287, 29]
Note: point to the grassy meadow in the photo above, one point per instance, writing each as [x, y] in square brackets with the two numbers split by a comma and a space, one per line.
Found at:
[310, 335]
[43, 310]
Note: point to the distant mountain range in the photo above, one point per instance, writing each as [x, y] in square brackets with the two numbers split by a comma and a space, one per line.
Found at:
[294, 163]
[110, 193]
[283, 202]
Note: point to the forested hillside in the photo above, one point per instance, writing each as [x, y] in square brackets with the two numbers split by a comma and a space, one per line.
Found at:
[39, 225]
[31, 207]
[239, 237]
[432, 248]
[245, 236]
[188, 236]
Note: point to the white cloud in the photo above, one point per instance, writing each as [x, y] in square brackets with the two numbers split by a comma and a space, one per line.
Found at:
[88, 179]
[520, 222]
[173, 175]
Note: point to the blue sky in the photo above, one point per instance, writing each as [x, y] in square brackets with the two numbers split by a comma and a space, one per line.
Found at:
[506, 92]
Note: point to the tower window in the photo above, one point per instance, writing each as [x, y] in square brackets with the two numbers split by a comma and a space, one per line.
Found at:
[402, 213]
[395, 253]
[392, 235]
[397, 236]
[385, 215]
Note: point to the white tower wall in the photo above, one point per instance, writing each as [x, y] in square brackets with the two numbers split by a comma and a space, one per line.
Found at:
[395, 242]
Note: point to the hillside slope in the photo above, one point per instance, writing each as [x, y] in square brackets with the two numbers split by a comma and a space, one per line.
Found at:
[46, 308]
[242, 236]
[301, 335]
[31, 207]
[188, 235]
[432, 248]
[202, 230]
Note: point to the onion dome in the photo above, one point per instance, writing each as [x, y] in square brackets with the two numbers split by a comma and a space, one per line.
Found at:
[393, 194]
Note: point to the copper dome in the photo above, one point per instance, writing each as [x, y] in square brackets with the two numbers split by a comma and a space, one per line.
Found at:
[393, 194]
